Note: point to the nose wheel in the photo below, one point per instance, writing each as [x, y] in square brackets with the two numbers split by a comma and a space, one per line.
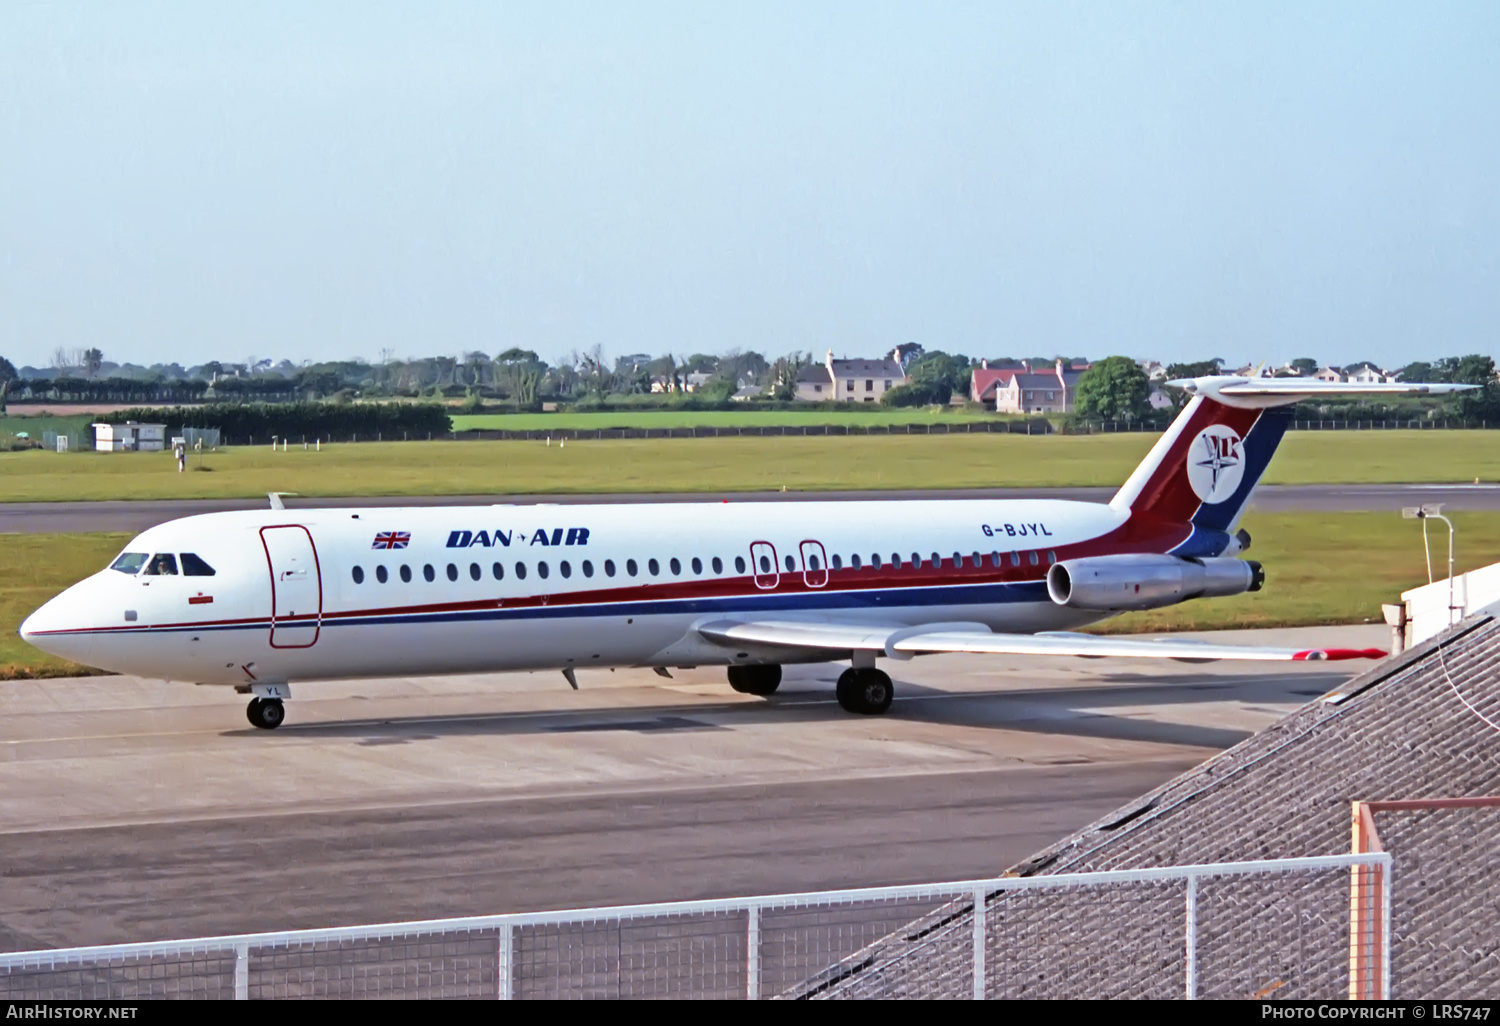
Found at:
[866, 690]
[266, 713]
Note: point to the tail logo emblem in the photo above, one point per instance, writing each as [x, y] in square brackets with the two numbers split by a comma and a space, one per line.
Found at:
[1216, 463]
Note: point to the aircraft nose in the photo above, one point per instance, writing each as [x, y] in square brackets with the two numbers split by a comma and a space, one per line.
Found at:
[44, 625]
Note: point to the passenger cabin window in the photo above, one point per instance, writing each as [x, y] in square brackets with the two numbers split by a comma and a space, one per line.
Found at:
[429, 573]
[653, 566]
[380, 574]
[161, 565]
[520, 571]
[854, 561]
[791, 564]
[609, 568]
[718, 565]
[359, 575]
[676, 566]
[631, 568]
[838, 562]
[474, 572]
[405, 574]
[588, 568]
[129, 562]
[498, 572]
[697, 565]
[452, 572]
[875, 561]
[916, 561]
[739, 564]
[541, 569]
[193, 566]
[565, 568]
[1032, 556]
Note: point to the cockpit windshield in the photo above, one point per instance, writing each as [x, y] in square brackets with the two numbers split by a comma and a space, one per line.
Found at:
[129, 562]
[162, 563]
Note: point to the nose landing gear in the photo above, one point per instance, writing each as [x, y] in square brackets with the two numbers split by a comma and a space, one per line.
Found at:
[266, 713]
[865, 690]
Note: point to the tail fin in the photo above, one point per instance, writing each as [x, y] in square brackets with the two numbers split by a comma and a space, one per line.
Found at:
[1204, 469]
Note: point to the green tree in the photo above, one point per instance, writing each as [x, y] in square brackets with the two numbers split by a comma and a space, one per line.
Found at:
[7, 375]
[1305, 366]
[1115, 388]
[1179, 371]
[93, 359]
[521, 372]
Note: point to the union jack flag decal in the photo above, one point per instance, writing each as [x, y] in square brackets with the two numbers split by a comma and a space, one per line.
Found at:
[391, 540]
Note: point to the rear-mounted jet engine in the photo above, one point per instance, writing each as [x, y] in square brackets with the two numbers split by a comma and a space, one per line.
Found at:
[1142, 581]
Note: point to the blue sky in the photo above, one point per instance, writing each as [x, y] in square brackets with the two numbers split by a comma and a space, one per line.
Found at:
[323, 180]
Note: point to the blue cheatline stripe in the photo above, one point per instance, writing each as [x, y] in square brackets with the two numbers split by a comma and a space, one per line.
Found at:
[1260, 445]
[884, 599]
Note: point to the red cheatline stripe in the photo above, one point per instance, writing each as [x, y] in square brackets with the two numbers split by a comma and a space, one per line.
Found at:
[200, 600]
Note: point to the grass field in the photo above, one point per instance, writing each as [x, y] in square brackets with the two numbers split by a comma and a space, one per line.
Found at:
[873, 416]
[717, 464]
[1320, 569]
[33, 568]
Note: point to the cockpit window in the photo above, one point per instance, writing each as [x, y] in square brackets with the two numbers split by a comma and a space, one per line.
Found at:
[193, 566]
[162, 563]
[129, 562]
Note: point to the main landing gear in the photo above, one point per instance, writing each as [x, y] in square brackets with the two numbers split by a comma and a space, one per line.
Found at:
[755, 680]
[865, 690]
[266, 713]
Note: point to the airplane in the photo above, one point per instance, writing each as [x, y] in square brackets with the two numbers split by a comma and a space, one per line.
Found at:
[260, 600]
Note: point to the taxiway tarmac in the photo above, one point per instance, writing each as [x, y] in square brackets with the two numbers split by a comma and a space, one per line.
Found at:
[79, 517]
[138, 810]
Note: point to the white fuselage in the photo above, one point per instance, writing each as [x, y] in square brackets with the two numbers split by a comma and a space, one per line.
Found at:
[302, 595]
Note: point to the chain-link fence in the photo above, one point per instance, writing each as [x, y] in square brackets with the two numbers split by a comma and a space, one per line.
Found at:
[1270, 929]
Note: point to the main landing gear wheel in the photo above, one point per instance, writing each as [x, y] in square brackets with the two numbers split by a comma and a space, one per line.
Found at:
[755, 680]
[865, 691]
[266, 713]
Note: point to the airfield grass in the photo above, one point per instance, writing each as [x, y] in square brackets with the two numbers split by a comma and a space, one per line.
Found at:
[819, 463]
[1321, 568]
[859, 416]
[33, 568]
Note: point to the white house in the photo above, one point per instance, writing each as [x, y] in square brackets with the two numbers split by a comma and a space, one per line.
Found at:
[130, 437]
[850, 381]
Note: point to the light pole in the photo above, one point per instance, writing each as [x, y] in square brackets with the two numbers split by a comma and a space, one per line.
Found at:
[1434, 511]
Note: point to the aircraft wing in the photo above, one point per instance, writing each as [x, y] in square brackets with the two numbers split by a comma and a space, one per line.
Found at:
[905, 642]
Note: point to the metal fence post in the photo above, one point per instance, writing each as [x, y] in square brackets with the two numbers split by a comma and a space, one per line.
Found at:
[752, 955]
[1190, 940]
[242, 972]
[1385, 929]
[979, 903]
[505, 966]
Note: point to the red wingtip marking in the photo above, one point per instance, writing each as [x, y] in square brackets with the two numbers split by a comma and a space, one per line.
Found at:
[1342, 653]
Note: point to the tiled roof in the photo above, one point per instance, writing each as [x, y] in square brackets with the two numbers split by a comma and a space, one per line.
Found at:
[815, 373]
[1399, 731]
[868, 368]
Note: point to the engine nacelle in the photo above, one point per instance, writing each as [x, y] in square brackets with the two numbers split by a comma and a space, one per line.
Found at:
[1144, 581]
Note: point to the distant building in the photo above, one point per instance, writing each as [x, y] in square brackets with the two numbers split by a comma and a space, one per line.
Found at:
[1155, 371]
[985, 379]
[746, 393]
[1329, 374]
[850, 381]
[130, 437]
[1049, 392]
[1158, 400]
[1367, 374]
